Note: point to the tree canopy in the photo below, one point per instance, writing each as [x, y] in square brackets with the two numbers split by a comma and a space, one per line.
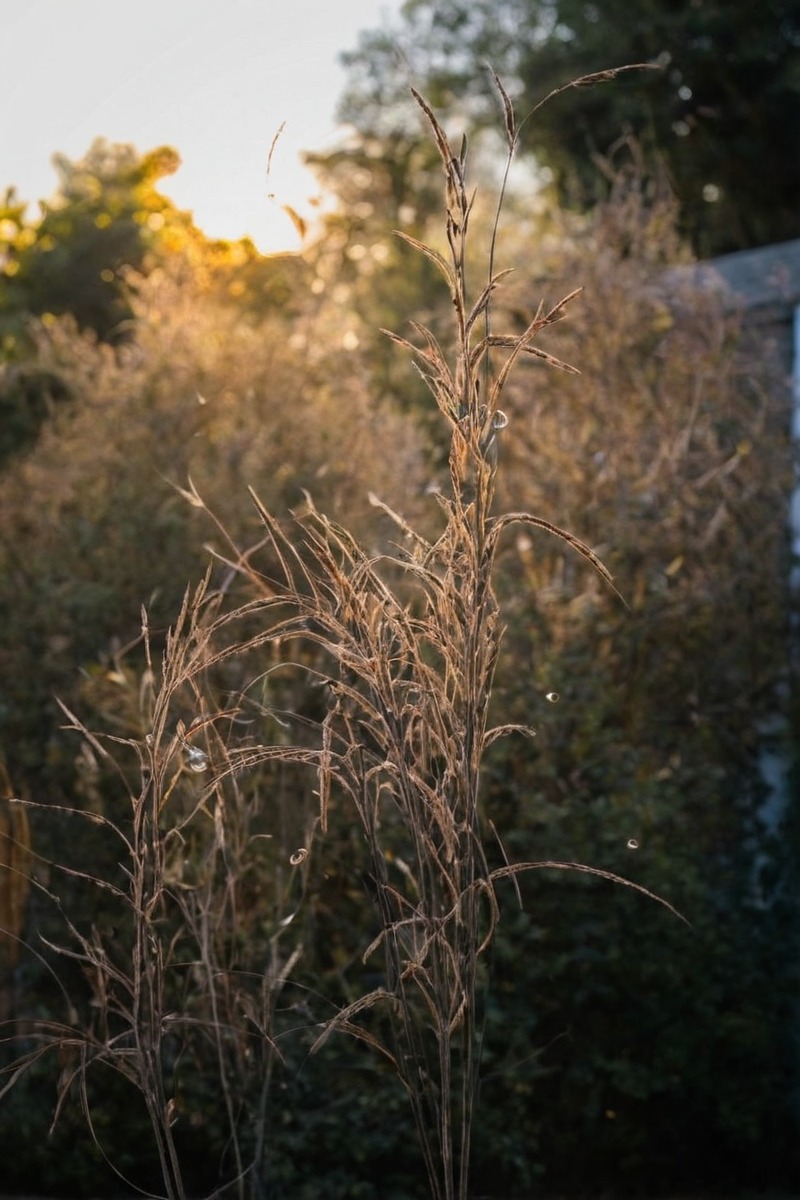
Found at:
[107, 222]
[106, 215]
[85, 254]
[719, 111]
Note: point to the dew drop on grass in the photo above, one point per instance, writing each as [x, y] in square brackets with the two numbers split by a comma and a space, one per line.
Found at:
[553, 697]
[633, 844]
[197, 759]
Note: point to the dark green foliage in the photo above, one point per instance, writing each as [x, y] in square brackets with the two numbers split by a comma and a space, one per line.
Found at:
[64, 1162]
[650, 1050]
[27, 397]
[341, 1128]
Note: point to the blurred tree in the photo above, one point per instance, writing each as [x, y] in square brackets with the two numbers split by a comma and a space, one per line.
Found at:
[106, 220]
[722, 112]
[105, 230]
[105, 216]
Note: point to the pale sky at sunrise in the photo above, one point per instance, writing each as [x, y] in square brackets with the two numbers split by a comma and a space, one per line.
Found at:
[213, 78]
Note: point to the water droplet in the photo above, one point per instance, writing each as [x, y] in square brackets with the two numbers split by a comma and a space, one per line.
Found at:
[633, 844]
[196, 759]
[553, 697]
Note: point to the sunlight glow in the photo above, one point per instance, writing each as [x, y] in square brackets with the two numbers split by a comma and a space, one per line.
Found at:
[175, 74]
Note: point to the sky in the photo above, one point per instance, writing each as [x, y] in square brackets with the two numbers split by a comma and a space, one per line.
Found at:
[215, 79]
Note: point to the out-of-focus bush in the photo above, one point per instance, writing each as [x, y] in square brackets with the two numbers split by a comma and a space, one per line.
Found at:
[92, 522]
[659, 1050]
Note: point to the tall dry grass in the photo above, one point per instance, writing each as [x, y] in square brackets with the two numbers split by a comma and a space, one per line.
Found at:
[408, 640]
[169, 972]
[403, 643]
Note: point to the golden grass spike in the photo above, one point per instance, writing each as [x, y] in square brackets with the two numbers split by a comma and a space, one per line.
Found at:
[518, 869]
[508, 108]
[587, 81]
[509, 342]
[502, 522]
[436, 258]
[480, 305]
[501, 731]
[443, 145]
